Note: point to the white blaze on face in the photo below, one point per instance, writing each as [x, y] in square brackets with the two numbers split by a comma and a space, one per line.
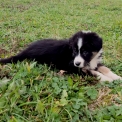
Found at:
[79, 43]
[79, 61]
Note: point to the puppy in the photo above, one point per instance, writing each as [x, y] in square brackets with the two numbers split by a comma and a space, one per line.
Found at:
[81, 53]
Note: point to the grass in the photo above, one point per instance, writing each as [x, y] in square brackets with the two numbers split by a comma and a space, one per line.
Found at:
[30, 92]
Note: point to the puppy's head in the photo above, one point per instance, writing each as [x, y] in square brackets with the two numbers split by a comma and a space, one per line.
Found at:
[86, 48]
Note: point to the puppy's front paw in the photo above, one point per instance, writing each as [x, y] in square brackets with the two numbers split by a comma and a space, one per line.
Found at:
[107, 72]
[101, 76]
[113, 76]
[117, 78]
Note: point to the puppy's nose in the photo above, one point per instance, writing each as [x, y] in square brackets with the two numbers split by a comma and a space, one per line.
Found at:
[77, 63]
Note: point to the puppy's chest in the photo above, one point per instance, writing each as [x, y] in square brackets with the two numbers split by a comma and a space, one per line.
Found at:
[94, 63]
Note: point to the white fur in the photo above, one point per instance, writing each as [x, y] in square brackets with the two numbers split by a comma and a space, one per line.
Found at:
[110, 76]
[101, 76]
[79, 59]
[80, 43]
[86, 31]
[93, 63]
[113, 76]
[96, 60]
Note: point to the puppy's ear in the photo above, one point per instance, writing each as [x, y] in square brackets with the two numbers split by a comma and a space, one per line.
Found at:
[97, 42]
[93, 40]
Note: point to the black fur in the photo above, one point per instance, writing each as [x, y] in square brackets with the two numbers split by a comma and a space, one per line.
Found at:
[60, 53]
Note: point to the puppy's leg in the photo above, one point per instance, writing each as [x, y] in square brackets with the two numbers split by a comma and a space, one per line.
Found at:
[107, 72]
[101, 76]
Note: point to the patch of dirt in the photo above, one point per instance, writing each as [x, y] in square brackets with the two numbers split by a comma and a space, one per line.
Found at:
[105, 98]
[2, 51]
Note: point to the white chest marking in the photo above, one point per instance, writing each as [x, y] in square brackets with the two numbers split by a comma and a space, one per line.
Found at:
[96, 60]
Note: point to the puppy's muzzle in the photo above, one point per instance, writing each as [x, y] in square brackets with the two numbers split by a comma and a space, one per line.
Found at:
[77, 63]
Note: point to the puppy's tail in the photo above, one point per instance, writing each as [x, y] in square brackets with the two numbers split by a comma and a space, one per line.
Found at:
[13, 59]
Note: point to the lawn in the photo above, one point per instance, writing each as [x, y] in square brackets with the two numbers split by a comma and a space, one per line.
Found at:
[30, 92]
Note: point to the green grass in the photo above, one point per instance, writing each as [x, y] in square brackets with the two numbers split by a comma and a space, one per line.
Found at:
[30, 92]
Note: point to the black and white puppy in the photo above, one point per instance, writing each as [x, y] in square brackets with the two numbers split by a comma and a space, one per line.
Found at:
[82, 51]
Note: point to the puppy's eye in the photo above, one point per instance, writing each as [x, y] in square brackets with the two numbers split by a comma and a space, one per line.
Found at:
[85, 53]
[74, 52]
